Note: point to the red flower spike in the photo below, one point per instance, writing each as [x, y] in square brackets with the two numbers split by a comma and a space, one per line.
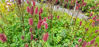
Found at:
[84, 4]
[31, 11]
[96, 44]
[94, 17]
[30, 21]
[92, 41]
[28, 9]
[86, 29]
[39, 24]
[30, 29]
[84, 44]
[26, 45]
[57, 17]
[27, 1]
[19, 1]
[76, 45]
[36, 10]
[45, 37]
[88, 43]
[91, 14]
[48, 17]
[33, 3]
[80, 23]
[41, 10]
[3, 37]
[22, 37]
[31, 36]
[56, 1]
[36, 39]
[46, 25]
[96, 31]
[79, 40]
[97, 20]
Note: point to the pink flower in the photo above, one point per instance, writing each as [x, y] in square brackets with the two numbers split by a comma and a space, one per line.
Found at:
[41, 10]
[96, 31]
[36, 10]
[36, 39]
[86, 29]
[88, 43]
[56, 1]
[39, 24]
[80, 23]
[96, 44]
[80, 40]
[45, 37]
[94, 17]
[48, 17]
[46, 25]
[84, 44]
[22, 37]
[97, 20]
[28, 9]
[30, 29]
[57, 17]
[26, 45]
[27, 1]
[3, 37]
[92, 41]
[76, 45]
[91, 14]
[84, 4]
[33, 3]
[31, 11]
[30, 21]
[31, 36]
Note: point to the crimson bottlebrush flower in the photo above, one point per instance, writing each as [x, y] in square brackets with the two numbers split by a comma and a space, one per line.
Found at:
[30, 21]
[96, 44]
[28, 9]
[80, 40]
[39, 25]
[91, 14]
[48, 17]
[56, 1]
[36, 10]
[76, 45]
[88, 43]
[96, 31]
[3, 37]
[84, 44]
[77, 7]
[31, 11]
[30, 29]
[27, 1]
[19, 1]
[92, 41]
[94, 17]
[41, 10]
[46, 25]
[80, 23]
[45, 37]
[86, 29]
[22, 37]
[26, 45]
[40, 18]
[84, 3]
[36, 39]
[57, 17]
[33, 3]
[97, 19]
[31, 36]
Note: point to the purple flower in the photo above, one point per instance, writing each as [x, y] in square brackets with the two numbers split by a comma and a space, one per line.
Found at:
[3, 37]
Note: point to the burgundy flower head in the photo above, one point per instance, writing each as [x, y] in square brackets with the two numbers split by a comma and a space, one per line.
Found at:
[22, 37]
[45, 37]
[91, 14]
[30, 21]
[94, 17]
[26, 45]
[80, 23]
[36, 10]
[80, 40]
[92, 41]
[97, 20]
[28, 9]
[27, 1]
[30, 29]
[31, 11]
[33, 3]
[31, 36]
[84, 44]
[3, 37]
